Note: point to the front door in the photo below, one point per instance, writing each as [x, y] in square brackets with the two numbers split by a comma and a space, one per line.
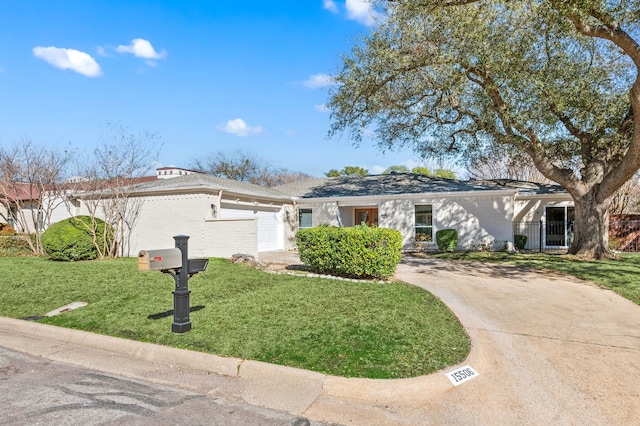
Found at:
[367, 216]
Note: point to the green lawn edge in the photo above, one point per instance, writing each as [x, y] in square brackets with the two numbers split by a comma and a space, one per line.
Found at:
[344, 328]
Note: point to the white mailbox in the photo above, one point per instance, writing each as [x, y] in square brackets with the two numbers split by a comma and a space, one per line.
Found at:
[159, 260]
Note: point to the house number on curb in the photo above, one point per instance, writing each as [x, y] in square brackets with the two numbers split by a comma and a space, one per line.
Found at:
[462, 375]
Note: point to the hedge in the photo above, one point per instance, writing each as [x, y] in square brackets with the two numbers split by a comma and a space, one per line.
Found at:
[359, 251]
[447, 239]
[71, 239]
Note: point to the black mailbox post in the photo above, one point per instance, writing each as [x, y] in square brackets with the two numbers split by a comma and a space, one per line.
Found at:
[181, 322]
[152, 259]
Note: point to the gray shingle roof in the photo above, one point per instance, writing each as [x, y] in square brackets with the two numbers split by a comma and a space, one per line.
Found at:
[402, 183]
[347, 186]
[204, 182]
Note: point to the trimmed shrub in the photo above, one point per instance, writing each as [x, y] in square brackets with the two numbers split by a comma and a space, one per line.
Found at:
[447, 239]
[520, 241]
[71, 239]
[360, 251]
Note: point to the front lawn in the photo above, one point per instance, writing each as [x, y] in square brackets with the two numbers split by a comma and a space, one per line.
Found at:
[621, 276]
[351, 329]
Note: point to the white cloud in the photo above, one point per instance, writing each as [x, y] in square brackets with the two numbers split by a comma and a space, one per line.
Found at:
[330, 5]
[318, 81]
[361, 11]
[72, 59]
[142, 49]
[238, 127]
[321, 108]
[377, 170]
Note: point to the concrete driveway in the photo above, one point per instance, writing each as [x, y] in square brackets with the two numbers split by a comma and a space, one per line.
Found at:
[549, 349]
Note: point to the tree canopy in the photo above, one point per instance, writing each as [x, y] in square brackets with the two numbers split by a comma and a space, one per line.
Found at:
[552, 79]
[421, 170]
[348, 171]
[396, 169]
[245, 167]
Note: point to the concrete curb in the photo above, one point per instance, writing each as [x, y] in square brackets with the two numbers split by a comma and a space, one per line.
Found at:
[297, 391]
[144, 351]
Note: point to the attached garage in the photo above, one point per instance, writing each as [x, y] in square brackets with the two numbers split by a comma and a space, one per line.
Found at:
[222, 217]
[269, 223]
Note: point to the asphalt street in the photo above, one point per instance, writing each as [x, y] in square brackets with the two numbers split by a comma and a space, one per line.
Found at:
[37, 391]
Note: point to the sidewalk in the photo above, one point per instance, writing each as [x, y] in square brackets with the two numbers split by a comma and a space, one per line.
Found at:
[548, 349]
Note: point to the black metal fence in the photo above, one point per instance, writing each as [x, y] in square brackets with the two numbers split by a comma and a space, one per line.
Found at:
[533, 233]
[624, 235]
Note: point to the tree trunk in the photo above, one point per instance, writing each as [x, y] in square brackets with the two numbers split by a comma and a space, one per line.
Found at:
[591, 227]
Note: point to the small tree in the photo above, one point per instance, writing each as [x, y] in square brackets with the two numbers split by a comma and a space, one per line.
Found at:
[30, 188]
[107, 181]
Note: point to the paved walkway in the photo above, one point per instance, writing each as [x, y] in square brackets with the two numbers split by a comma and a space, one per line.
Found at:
[548, 349]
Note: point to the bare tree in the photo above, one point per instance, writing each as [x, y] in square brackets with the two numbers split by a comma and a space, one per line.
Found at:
[627, 199]
[245, 167]
[30, 188]
[501, 164]
[106, 182]
[277, 177]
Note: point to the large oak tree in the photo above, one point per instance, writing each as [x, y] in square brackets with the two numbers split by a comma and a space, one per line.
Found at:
[555, 80]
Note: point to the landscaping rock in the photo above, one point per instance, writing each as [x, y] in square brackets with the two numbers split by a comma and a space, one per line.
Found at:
[247, 259]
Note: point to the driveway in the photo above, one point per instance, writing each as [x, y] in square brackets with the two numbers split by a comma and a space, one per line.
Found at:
[549, 349]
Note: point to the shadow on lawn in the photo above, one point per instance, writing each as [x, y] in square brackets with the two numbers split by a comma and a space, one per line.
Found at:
[165, 314]
[524, 271]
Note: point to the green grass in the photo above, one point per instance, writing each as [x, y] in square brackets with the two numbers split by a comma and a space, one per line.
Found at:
[350, 329]
[619, 275]
[14, 246]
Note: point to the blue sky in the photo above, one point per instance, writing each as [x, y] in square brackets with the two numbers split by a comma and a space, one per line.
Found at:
[206, 76]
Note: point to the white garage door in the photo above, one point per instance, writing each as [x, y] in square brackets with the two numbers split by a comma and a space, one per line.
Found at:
[270, 226]
[270, 231]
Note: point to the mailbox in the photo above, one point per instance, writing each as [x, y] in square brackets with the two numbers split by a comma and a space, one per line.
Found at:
[176, 263]
[160, 260]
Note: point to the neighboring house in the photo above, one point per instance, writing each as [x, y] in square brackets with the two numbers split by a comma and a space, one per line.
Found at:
[19, 207]
[171, 172]
[224, 217]
[419, 206]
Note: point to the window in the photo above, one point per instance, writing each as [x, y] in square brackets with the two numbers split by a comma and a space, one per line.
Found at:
[305, 218]
[424, 223]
